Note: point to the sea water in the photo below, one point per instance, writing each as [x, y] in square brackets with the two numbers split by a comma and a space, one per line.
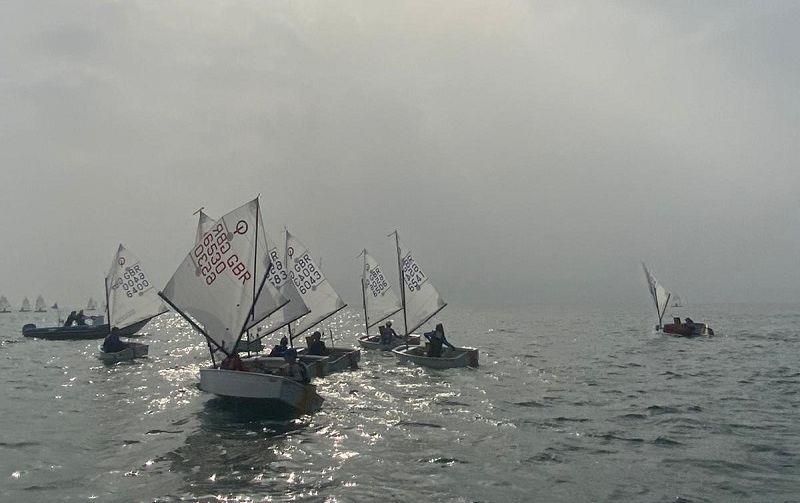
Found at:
[569, 404]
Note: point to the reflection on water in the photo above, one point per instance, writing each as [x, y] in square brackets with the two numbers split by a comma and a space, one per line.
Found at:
[568, 405]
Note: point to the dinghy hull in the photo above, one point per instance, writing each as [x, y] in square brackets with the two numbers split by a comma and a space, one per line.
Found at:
[134, 350]
[283, 393]
[78, 332]
[337, 360]
[683, 330]
[374, 342]
[460, 357]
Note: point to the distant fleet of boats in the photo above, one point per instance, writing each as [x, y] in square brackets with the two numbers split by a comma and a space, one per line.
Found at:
[237, 286]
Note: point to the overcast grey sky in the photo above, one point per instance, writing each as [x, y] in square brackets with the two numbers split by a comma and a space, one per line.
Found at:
[528, 151]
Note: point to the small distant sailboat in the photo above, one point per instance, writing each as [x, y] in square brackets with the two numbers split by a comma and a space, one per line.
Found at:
[380, 302]
[26, 306]
[91, 305]
[5, 306]
[220, 289]
[40, 306]
[661, 297]
[131, 299]
[420, 302]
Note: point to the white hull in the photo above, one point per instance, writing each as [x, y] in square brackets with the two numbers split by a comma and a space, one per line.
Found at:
[373, 342]
[284, 393]
[460, 357]
[134, 350]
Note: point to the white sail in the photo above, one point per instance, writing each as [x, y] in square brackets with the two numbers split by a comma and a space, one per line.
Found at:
[380, 302]
[659, 293]
[26, 305]
[677, 301]
[204, 224]
[91, 305]
[40, 305]
[422, 300]
[279, 279]
[314, 288]
[214, 284]
[132, 296]
[4, 304]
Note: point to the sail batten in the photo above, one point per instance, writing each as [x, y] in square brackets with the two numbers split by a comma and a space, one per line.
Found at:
[312, 285]
[131, 294]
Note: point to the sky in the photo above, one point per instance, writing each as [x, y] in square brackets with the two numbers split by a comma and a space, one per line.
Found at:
[528, 152]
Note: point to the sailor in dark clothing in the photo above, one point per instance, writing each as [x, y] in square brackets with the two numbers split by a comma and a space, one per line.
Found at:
[70, 319]
[80, 318]
[388, 334]
[112, 343]
[316, 346]
[436, 339]
[280, 349]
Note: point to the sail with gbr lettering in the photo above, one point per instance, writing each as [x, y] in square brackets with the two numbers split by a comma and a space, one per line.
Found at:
[131, 295]
[280, 280]
[380, 301]
[312, 285]
[660, 294]
[420, 298]
[216, 284]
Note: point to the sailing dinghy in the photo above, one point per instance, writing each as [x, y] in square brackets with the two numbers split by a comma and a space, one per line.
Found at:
[312, 300]
[661, 298]
[130, 299]
[220, 289]
[5, 306]
[380, 302]
[40, 306]
[420, 302]
[91, 305]
[26, 306]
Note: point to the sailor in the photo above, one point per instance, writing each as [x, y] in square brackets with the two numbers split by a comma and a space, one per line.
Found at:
[80, 318]
[232, 362]
[70, 319]
[316, 346]
[112, 342]
[292, 369]
[690, 326]
[388, 334]
[280, 349]
[437, 338]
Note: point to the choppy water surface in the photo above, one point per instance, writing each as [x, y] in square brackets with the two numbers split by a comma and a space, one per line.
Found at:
[570, 404]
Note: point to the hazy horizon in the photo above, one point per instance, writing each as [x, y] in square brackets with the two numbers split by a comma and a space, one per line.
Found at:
[529, 152]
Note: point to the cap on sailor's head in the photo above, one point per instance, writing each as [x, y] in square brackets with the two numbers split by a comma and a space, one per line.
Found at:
[388, 323]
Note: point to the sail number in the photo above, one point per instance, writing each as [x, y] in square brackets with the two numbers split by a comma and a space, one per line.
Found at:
[413, 277]
[376, 282]
[212, 257]
[305, 274]
[277, 275]
[133, 281]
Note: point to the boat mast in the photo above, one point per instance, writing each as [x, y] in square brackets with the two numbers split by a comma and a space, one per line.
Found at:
[364, 292]
[108, 307]
[402, 284]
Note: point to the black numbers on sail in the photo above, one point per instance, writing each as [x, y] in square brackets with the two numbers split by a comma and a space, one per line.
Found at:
[132, 281]
[278, 275]
[305, 274]
[212, 259]
[376, 282]
[413, 276]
